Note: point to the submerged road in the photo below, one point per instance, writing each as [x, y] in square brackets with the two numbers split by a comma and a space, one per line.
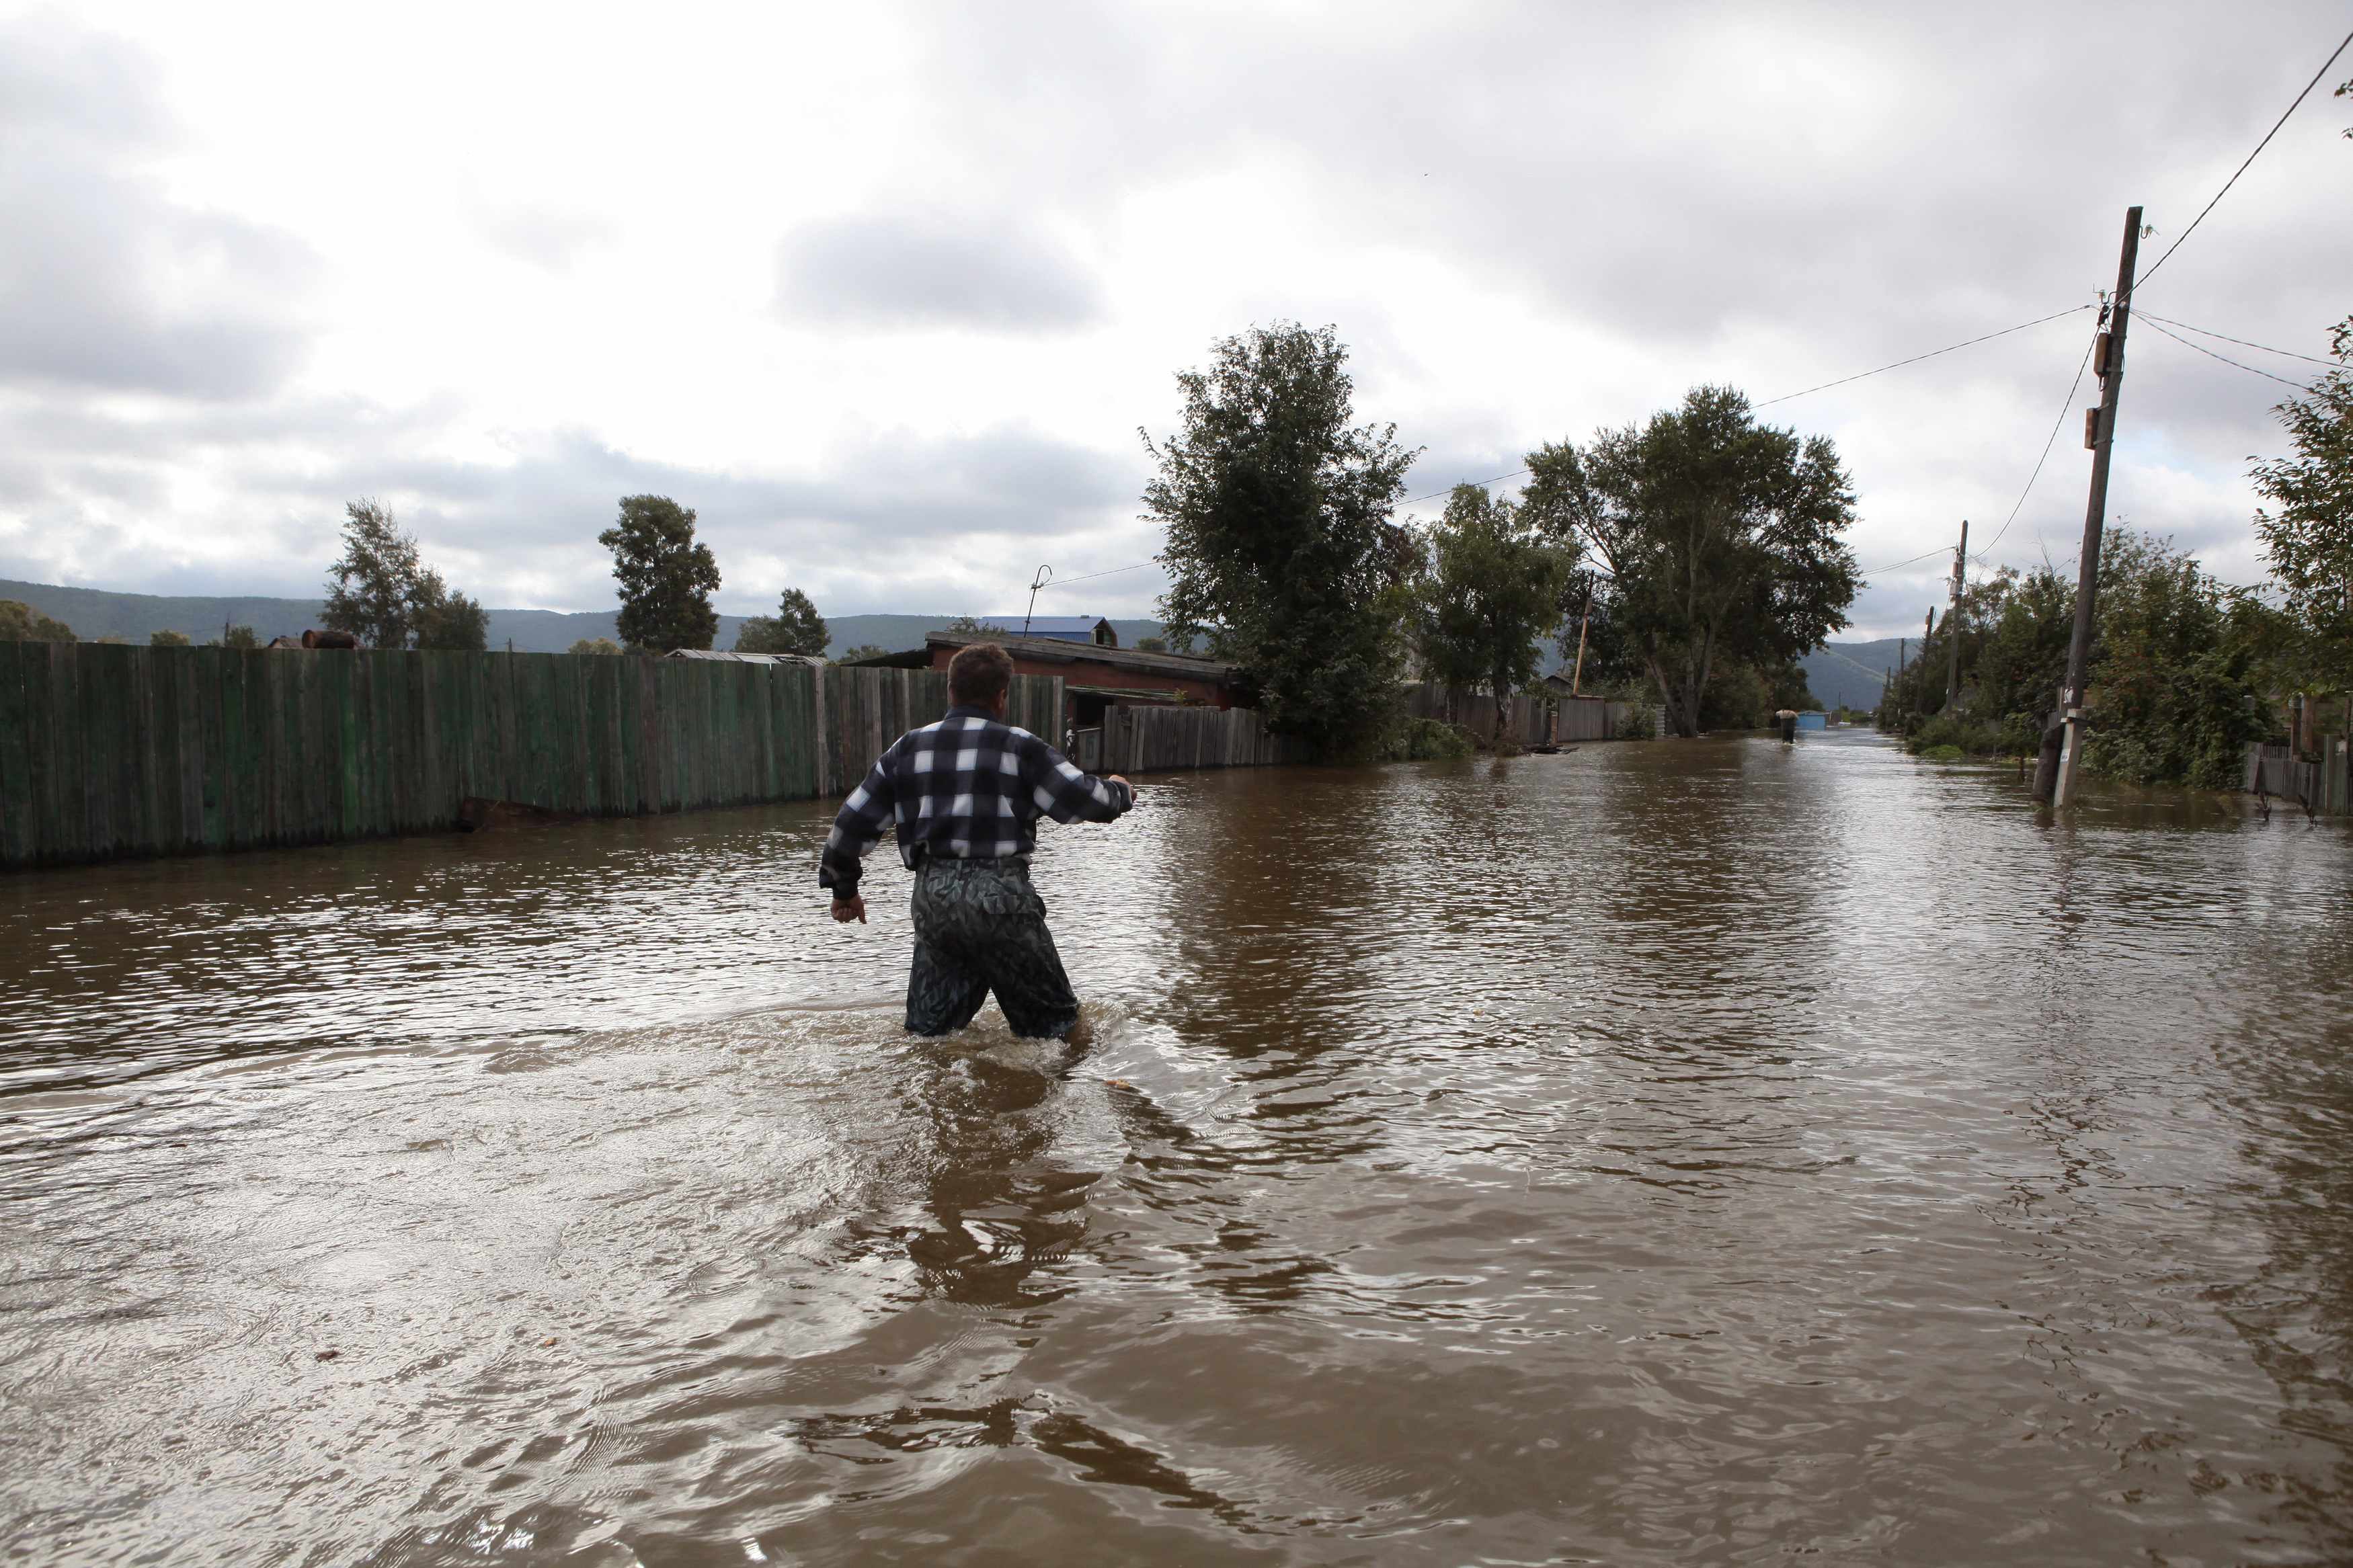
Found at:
[1684, 1153]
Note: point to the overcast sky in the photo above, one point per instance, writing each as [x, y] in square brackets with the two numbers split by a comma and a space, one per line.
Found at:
[885, 292]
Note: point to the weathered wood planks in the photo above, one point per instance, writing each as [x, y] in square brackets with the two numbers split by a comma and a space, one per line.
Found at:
[108, 750]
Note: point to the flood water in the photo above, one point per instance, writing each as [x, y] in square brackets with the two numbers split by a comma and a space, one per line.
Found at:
[1684, 1153]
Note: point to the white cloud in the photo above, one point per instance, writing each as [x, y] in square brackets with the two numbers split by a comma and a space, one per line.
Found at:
[884, 291]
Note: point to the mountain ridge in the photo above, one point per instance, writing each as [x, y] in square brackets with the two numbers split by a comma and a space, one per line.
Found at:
[1840, 674]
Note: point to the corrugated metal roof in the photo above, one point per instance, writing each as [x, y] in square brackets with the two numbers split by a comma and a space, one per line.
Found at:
[1056, 627]
[730, 656]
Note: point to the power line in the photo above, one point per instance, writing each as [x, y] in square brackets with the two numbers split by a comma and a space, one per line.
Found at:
[1785, 396]
[2064, 405]
[1915, 359]
[1058, 581]
[2226, 358]
[1449, 490]
[2243, 168]
[1892, 565]
[2209, 332]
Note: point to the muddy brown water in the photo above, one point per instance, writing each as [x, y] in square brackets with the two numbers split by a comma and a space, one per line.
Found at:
[1670, 1153]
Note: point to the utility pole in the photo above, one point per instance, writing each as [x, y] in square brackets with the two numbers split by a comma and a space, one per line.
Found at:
[1925, 640]
[2108, 357]
[1045, 575]
[1903, 657]
[1953, 619]
[1577, 680]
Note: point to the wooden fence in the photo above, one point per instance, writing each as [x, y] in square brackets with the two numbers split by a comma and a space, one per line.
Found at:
[1147, 738]
[108, 750]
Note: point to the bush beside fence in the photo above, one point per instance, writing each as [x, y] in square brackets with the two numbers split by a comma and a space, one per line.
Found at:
[109, 751]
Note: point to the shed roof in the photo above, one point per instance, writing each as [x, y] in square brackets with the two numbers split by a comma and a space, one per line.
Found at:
[1051, 650]
[1049, 625]
[731, 657]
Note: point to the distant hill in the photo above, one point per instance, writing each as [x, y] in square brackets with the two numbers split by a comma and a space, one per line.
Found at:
[1846, 673]
[96, 612]
[1849, 674]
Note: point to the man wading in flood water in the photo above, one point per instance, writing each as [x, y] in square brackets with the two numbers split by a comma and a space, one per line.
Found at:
[967, 794]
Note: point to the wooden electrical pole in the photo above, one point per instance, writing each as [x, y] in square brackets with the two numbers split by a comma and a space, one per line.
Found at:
[2108, 357]
[1576, 679]
[1953, 619]
[1928, 636]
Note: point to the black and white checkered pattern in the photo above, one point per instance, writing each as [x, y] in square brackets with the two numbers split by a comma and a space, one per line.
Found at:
[967, 787]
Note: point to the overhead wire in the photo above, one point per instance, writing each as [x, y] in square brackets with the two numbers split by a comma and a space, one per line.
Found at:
[2226, 358]
[2250, 158]
[1915, 359]
[2209, 332]
[2064, 405]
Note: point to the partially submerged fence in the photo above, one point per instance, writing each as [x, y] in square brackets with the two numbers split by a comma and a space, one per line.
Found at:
[1530, 719]
[1145, 737]
[109, 751]
[2324, 785]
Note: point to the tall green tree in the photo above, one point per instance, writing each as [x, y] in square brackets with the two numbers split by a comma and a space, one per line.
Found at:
[372, 586]
[167, 638]
[382, 592]
[796, 627]
[1720, 537]
[1492, 595]
[1279, 546]
[237, 637]
[667, 579]
[2307, 528]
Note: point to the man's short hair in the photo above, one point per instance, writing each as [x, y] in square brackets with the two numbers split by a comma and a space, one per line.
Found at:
[980, 673]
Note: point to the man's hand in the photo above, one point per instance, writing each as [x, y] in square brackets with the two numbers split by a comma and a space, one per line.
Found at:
[852, 908]
[1132, 791]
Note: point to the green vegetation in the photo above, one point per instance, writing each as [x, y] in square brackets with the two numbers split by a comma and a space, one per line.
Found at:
[237, 637]
[796, 627]
[1423, 740]
[967, 626]
[1152, 645]
[381, 593]
[1278, 544]
[1720, 537]
[1491, 595]
[594, 645]
[167, 639]
[20, 623]
[2180, 664]
[667, 579]
[2307, 528]
[863, 650]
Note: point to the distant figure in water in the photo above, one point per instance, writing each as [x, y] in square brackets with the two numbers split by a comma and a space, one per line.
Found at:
[967, 794]
[1785, 721]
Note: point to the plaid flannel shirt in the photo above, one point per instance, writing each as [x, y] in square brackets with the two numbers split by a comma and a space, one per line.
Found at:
[967, 787]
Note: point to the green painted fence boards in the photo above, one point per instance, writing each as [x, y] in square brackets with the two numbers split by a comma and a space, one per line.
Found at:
[108, 750]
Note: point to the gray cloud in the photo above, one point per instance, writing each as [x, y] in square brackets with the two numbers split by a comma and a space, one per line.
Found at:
[870, 523]
[105, 282]
[909, 270]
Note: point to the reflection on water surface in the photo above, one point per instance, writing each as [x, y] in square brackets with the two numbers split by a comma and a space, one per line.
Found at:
[1666, 1153]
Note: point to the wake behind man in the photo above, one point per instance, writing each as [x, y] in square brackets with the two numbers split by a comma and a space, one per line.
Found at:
[967, 794]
